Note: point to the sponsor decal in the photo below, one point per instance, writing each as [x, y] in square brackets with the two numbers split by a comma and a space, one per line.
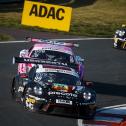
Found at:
[62, 93]
[58, 70]
[44, 62]
[57, 86]
[62, 71]
[20, 89]
[37, 61]
[30, 100]
[46, 15]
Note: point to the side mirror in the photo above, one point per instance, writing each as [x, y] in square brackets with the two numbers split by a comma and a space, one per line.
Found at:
[23, 53]
[89, 84]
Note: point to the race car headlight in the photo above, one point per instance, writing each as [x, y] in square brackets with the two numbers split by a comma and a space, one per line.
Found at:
[38, 90]
[87, 95]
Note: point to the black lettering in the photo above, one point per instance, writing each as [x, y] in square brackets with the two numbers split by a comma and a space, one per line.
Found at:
[58, 13]
[33, 10]
[42, 11]
[51, 13]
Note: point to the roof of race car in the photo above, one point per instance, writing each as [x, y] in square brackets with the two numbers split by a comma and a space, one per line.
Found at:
[58, 69]
[44, 46]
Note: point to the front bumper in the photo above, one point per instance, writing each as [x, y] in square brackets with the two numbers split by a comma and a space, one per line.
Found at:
[60, 101]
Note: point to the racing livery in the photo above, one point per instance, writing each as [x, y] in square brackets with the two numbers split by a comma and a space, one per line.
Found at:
[49, 84]
[120, 38]
[53, 51]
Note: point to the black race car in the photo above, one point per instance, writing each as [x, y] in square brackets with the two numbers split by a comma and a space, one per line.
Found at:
[47, 86]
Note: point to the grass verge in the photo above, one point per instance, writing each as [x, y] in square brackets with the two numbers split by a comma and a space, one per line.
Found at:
[4, 37]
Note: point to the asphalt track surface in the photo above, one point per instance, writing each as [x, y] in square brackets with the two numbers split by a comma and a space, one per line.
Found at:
[105, 66]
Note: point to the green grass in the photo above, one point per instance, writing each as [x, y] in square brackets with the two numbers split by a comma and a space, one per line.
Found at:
[4, 37]
[99, 19]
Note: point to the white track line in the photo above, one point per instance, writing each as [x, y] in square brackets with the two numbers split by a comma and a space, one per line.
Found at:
[80, 39]
[72, 39]
[109, 107]
[80, 122]
[9, 42]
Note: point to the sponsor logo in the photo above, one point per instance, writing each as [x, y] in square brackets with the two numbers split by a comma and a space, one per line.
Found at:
[46, 15]
[38, 61]
[30, 100]
[62, 93]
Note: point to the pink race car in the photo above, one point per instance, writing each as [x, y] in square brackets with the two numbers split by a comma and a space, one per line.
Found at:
[53, 51]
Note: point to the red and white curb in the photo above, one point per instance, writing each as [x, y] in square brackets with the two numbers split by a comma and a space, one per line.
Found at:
[116, 117]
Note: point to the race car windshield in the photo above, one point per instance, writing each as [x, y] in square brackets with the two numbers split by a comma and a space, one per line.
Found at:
[52, 77]
[53, 56]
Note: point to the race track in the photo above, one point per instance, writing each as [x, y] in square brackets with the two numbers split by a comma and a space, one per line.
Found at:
[105, 66]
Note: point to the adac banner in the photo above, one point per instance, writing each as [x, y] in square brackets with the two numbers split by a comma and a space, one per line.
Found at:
[46, 16]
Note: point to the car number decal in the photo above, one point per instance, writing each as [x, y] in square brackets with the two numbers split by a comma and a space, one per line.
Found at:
[30, 100]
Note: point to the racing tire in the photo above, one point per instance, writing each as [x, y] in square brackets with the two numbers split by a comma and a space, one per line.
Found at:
[119, 44]
[87, 112]
[49, 110]
[14, 90]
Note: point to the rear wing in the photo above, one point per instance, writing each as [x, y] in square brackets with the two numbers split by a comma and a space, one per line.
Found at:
[40, 61]
[48, 41]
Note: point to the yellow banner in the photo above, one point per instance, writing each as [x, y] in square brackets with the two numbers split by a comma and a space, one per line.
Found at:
[46, 16]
